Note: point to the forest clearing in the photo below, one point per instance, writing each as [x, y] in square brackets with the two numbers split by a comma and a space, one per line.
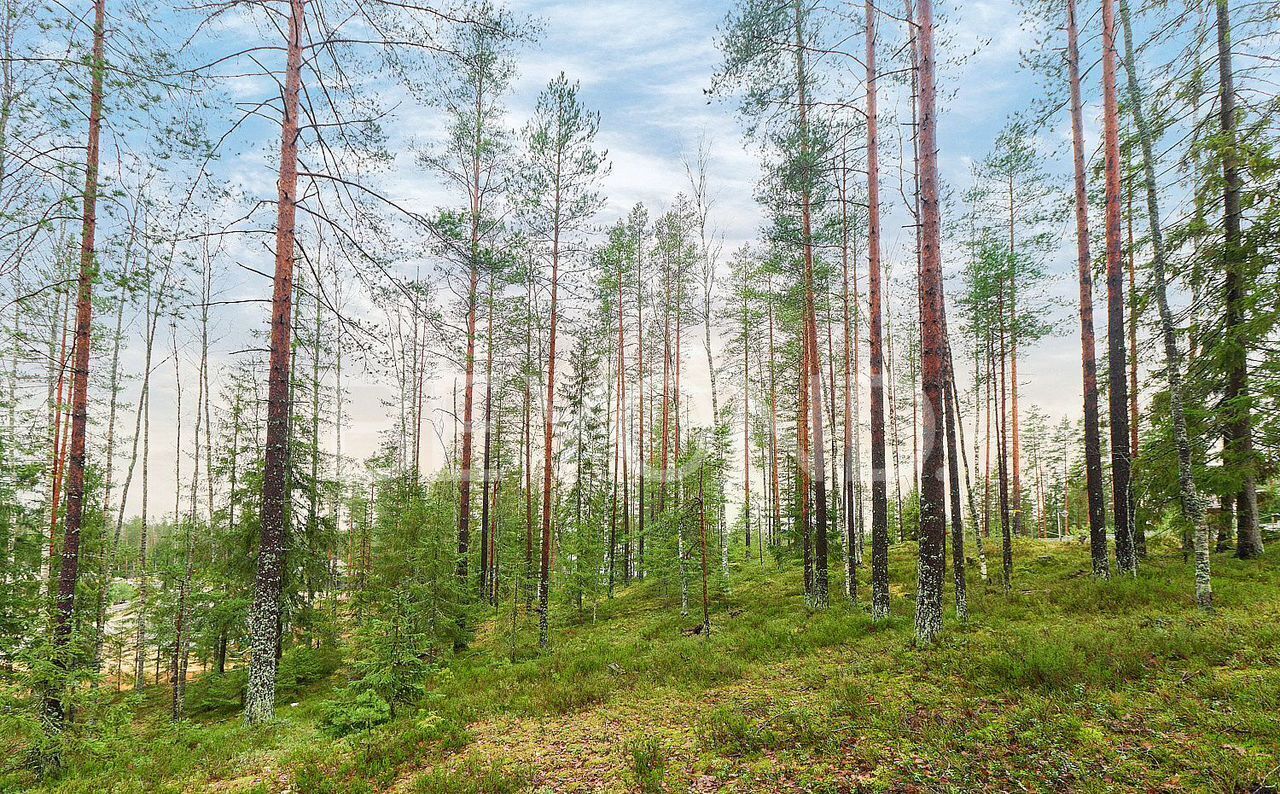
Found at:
[535, 395]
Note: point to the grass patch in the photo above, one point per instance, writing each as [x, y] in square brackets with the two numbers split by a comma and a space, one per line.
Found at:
[1062, 683]
[648, 763]
[473, 776]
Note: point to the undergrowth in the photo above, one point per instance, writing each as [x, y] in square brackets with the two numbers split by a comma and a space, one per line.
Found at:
[1065, 682]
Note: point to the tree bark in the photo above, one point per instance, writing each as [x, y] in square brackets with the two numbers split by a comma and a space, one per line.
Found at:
[1122, 491]
[821, 594]
[544, 577]
[528, 447]
[640, 449]
[488, 446]
[69, 575]
[1002, 458]
[802, 459]
[1139, 534]
[746, 430]
[264, 618]
[1239, 426]
[774, 477]
[623, 432]
[879, 487]
[932, 359]
[852, 516]
[953, 476]
[702, 531]
[1088, 361]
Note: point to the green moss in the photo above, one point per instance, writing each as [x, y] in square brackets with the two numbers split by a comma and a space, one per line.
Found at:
[1063, 683]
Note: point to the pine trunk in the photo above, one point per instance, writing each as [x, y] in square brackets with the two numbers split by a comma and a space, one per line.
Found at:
[1092, 433]
[70, 572]
[879, 487]
[264, 619]
[1239, 429]
[933, 527]
[1122, 492]
[544, 576]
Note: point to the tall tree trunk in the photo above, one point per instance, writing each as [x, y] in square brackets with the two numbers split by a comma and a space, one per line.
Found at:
[663, 472]
[1092, 434]
[264, 617]
[964, 462]
[175, 661]
[953, 475]
[1122, 491]
[774, 478]
[544, 578]
[1015, 432]
[144, 416]
[852, 515]
[879, 487]
[702, 531]
[675, 456]
[468, 403]
[820, 595]
[58, 417]
[493, 527]
[933, 527]
[488, 445]
[640, 448]
[55, 708]
[623, 433]
[528, 446]
[1002, 460]
[746, 431]
[1239, 426]
[1139, 534]
[802, 458]
[1191, 501]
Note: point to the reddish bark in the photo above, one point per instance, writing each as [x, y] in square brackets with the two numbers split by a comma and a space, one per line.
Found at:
[265, 614]
[820, 590]
[1119, 387]
[70, 572]
[1092, 434]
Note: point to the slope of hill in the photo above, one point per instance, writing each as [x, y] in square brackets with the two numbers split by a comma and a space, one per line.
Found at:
[1063, 684]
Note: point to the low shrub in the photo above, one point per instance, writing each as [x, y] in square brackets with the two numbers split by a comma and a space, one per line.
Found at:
[648, 763]
[354, 710]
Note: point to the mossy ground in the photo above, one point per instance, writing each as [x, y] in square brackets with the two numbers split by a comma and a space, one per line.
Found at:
[1065, 683]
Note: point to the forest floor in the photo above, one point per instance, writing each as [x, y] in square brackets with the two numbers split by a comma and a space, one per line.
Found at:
[1064, 684]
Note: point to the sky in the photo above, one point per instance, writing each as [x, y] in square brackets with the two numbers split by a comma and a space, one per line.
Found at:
[645, 66]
